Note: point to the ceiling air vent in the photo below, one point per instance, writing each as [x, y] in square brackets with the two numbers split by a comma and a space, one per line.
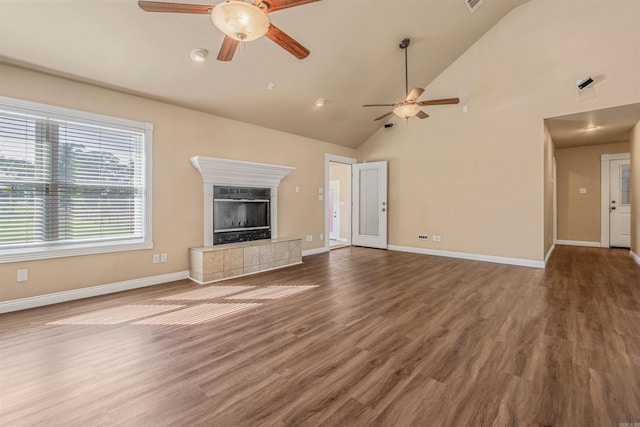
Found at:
[473, 5]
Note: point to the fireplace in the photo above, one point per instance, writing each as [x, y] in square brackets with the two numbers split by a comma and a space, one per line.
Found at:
[241, 214]
[242, 175]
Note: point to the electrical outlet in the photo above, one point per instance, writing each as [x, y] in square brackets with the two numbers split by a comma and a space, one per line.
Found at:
[423, 237]
[163, 257]
[320, 197]
[311, 237]
[437, 238]
[156, 258]
[321, 236]
[23, 275]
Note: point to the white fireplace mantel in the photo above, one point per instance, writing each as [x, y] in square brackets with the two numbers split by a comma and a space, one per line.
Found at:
[237, 173]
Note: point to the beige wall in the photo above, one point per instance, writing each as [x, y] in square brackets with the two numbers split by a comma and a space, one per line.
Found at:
[635, 191]
[342, 172]
[579, 167]
[549, 154]
[477, 178]
[177, 187]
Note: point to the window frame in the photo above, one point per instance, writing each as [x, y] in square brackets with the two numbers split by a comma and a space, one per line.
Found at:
[57, 250]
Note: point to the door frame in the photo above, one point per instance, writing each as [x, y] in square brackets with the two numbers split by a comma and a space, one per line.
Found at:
[328, 158]
[605, 187]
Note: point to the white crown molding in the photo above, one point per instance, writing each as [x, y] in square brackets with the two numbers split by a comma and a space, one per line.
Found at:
[92, 291]
[474, 257]
[237, 173]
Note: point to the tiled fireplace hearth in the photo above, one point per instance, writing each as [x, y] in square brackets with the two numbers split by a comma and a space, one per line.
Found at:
[212, 263]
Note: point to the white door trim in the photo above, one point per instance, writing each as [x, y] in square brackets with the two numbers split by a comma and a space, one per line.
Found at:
[555, 200]
[328, 158]
[605, 193]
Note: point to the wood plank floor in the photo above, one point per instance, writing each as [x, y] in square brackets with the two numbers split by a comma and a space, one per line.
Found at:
[387, 338]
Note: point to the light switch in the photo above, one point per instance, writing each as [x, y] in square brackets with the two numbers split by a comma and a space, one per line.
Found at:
[297, 189]
[320, 190]
[582, 190]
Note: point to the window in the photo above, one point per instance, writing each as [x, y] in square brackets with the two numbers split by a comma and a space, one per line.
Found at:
[71, 183]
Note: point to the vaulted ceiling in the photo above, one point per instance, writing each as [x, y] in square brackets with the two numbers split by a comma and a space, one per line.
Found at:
[354, 60]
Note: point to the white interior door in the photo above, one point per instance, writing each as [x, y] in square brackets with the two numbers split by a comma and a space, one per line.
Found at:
[334, 210]
[620, 203]
[370, 204]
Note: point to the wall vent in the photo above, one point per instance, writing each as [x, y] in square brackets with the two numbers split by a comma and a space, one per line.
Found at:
[473, 5]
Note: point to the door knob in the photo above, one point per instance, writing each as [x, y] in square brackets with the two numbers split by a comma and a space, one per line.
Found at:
[613, 201]
[384, 210]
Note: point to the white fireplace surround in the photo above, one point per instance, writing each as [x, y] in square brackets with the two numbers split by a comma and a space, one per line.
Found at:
[236, 173]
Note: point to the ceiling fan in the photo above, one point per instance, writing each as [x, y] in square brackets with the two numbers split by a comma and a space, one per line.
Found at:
[411, 107]
[240, 21]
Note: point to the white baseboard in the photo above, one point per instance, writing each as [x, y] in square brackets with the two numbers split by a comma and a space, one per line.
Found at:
[314, 251]
[635, 256]
[578, 243]
[546, 258]
[474, 257]
[92, 291]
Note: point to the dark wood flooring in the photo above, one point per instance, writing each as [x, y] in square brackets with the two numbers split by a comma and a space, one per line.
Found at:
[388, 338]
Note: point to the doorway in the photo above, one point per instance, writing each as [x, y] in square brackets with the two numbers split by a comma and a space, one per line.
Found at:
[338, 201]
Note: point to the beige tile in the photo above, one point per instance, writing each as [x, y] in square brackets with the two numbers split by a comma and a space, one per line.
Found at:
[212, 262]
[211, 277]
[281, 262]
[267, 265]
[195, 261]
[281, 251]
[295, 248]
[195, 275]
[233, 259]
[297, 260]
[251, 256]
[233, 273]
[251, 269]
[266, 254]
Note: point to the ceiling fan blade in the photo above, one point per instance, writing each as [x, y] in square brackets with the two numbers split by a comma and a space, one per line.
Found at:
[422, 115]
[286, 42]
[273, 5]
[157, 6]
[379, 105]
[383, 116]
[227, 49]
[443, 101]
[414, 94]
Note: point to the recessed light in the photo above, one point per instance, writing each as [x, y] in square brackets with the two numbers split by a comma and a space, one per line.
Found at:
[319, 102]
[199, 55]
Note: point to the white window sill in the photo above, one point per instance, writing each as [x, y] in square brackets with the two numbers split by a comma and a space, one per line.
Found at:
[32, 254]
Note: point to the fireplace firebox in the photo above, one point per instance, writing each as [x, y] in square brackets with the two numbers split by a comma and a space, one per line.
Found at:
[241, 214]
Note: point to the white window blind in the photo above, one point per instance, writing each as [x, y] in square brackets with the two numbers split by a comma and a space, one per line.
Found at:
[71, 182]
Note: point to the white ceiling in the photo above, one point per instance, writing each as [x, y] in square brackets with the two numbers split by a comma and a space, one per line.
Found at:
[354, 60]
[604, 126]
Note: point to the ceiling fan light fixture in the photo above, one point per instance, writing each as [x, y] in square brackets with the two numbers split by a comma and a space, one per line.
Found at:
[319, 102]
[405, 111]
[240, 20]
